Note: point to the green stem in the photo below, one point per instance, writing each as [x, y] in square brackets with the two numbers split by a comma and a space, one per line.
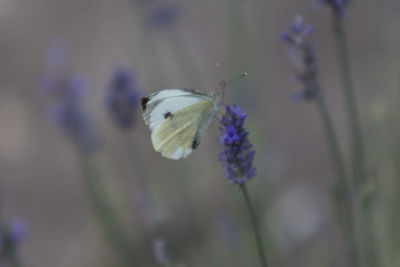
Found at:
[137, 163]
[237, 36]
[254, 223]
[14, 261]
[359, 171]
[360, 178]
[156, 77]
[144, 193]
[104, 210]
[341, 189]
[185, 59]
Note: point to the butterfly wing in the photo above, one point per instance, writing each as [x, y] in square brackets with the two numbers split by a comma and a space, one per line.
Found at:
[177, 119]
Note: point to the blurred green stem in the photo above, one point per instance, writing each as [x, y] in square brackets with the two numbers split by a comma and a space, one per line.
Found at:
[156, 77]
[185, 59]
[105, 211]
[254, 223]
[341, 188]
[237, 34]
[360, 178]
[143, 190]
[136, 162]
[359, 171]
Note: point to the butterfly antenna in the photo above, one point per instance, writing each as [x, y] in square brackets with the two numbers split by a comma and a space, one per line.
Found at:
[244, 74]
[223, 84]
[216, 73]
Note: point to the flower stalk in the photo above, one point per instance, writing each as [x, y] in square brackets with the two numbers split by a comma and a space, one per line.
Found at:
[237, 159]
[360, 177]
[256, 229]
[303, 57]
[105, 211]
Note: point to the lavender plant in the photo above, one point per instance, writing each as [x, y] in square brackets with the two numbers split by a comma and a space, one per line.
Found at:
[361, 179]
[163, 15]
[303, 58]
[66, 91]
[337, 6]
[123, 98]
[123, 101]
[237, 159]
[11, 237]
[160, 252]
[68, 114]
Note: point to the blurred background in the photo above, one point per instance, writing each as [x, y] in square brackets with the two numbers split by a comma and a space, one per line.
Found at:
[186, 210]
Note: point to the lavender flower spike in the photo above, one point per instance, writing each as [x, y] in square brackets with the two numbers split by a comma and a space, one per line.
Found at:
[338, 6]
[237, 155]
[11, 238]
[302, 56]
[123, 98]
[159, 250]
[69, 115]
[17, 231]
[164, 15]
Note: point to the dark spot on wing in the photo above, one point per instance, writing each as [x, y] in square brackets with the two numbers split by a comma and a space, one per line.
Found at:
[144, 101]
[167, 115]
[195, 143]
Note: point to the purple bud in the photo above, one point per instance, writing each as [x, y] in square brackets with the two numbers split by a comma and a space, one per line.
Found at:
[123, 98]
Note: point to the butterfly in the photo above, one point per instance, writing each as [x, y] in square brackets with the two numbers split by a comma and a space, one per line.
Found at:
[178, 119]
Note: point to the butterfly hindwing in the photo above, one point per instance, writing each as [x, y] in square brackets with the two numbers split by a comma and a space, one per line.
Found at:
[177, 119]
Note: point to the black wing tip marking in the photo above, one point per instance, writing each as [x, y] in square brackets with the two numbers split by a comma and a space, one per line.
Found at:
[195, 143]
[167, 115]
[144, 101]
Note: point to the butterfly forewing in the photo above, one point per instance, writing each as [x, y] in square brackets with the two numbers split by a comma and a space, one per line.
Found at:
[177, 119]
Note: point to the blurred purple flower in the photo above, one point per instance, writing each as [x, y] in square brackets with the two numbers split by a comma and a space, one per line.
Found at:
[338, 6]
[159, 250]
[123, 98]
[68, 114]
[237, 155]
[302, 55]
[66, 92]
[163, 15]
[17, 231]
[11, 238]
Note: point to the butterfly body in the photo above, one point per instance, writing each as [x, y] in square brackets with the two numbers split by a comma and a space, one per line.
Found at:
[178, 119]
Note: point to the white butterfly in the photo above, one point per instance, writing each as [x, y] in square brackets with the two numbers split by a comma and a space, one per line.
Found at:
[178, 119]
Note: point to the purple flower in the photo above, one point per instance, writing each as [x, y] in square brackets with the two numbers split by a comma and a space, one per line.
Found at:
[338, 6]
[123, 98]
[67, 92]
[237, 154]
[163, 15]
[11, 238]
[302, 55]
[17, 231]
[159, 250]
[68, 113]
